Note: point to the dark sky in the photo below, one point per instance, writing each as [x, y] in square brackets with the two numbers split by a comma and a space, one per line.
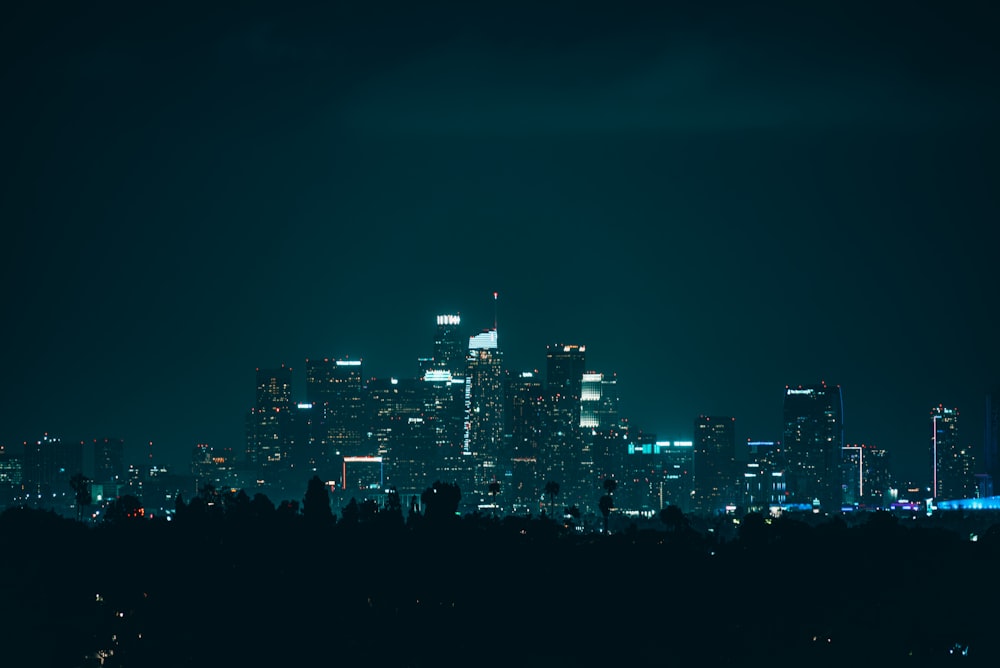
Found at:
[717, 199]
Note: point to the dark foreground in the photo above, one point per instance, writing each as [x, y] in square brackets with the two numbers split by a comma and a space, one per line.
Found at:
[251, 589]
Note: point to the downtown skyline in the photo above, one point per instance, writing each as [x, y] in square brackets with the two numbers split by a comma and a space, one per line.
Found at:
[717, 200]
[907, 464]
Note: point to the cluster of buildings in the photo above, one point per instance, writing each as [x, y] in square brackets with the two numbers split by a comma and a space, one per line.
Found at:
[514, 442]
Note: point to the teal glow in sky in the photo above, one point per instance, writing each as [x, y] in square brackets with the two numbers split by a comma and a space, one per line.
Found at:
[717, 199]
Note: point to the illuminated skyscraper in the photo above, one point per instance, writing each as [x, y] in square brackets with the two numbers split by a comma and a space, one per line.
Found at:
[563, 455]
[338, 387]
[450, 347]
[866, 476]
[483, 409]
[48, 464]
[268, 436]
[714, 463]
[525, 417]
[991, 441]
[598, 401]
[953, 473]
[403, 435]
[814, 441]
[109, 460]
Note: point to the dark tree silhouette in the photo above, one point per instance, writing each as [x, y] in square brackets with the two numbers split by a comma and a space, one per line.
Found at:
[316, 504]
[368, 510]
[574, 513]
[494, 489]
[552, 490]
[441, 501]
[82, 491]
[673, 519]
[606, 504]
[350, 515]
[610, 486]
[126, 508]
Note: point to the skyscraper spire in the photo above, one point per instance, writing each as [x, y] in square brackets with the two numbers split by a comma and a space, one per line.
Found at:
[495, 309]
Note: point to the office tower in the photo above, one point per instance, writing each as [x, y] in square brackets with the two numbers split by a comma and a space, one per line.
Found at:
[47, 466]
[524, 415]
[215, 468]
[402, 434]
[991, 442]
[109, 460]
[763, 483]
[11, 469]
[953, 473]
[450, 347]
[308, 454]
[563, 452]
[444, 413]
[814, 441]
[714, 460]
[866, 476]
[598, 401]
[483, 410]
[338, 387]
[268, 423]
[656, 474]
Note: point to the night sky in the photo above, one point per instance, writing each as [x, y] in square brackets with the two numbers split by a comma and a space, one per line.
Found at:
[717, 199]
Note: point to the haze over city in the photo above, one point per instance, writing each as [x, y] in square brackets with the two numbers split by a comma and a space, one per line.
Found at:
[718, 200]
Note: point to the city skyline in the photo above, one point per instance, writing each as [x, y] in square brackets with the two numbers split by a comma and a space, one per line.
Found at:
[718, 201]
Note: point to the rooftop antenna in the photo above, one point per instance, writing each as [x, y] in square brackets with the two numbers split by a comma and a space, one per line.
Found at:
[494, 310]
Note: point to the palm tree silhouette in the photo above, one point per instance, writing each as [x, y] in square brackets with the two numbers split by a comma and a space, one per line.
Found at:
[494, 489]
[552, 489]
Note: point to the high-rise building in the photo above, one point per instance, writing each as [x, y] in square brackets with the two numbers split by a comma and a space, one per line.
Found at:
[109, 460]
[656, 474]
[991, 441]
[403, 435]
[598, 401]
[338, 387]
[444, 413]
[268, 437]
[813, 442]
[47, 466]
[563, 455]
[484, 397]
[525, 416]
[714, 463]
[953, 472]
[10, 475]
[866, 476]
[450, 347]
[763, 484]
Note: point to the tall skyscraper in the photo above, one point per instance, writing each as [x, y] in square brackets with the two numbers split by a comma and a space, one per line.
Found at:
[866, 476]
[450, 347]
[991, 440]
[953, 472]
[525, 416]
[563, 451]
[598, 401]
[814, 442]
[484, 395]
[338, 387]
[268, 434]
[47, 466]
[109, 460]
[714, 463]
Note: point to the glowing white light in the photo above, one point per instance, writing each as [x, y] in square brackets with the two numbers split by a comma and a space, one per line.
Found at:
[449, 320]
[485, 340]
[348, 362]
[438, 376]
